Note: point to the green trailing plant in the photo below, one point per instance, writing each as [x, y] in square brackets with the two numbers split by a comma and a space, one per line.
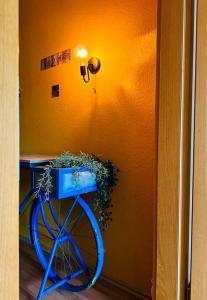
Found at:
[106, 176]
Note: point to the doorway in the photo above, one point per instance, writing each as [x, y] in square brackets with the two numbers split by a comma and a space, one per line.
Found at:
[175, 8]
[113, 115]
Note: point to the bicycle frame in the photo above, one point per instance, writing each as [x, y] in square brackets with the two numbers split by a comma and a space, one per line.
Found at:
[61, 191]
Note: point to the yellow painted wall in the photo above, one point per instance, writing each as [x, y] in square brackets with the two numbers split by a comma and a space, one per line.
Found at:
[117, 122]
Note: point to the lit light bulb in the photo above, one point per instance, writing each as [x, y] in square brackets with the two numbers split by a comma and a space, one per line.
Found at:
[82, 53]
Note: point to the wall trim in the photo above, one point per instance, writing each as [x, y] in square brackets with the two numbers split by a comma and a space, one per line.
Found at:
[125, 288]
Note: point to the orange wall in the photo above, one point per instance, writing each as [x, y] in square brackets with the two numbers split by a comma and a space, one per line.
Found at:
[117, 122]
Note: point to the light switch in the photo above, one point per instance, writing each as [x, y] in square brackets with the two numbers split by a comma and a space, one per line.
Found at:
[55, 90]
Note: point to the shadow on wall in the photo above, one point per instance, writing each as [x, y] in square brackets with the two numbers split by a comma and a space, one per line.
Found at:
[126, 135]
[117, 122]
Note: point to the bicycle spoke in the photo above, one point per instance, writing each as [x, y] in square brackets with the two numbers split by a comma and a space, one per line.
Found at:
[44, 235]
[42, 225]
[69, 256]
[56, 261]
[68, 262]
[82, 236]
[78, 219]
[86, 251]
[75, 260]
[63, 259]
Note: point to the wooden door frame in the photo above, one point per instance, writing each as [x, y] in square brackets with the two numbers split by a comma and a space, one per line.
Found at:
[173, 148]
[199, 236]
[9, 197]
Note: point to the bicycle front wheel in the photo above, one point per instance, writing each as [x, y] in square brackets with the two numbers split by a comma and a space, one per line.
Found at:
[79, 255]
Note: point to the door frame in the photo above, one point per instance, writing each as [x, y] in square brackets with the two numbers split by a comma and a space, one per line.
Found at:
[9, 196]
[173, 119]
[199, 228]
[173, 148]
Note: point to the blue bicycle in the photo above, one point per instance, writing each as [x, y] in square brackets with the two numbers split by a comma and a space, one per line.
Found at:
[65, 232]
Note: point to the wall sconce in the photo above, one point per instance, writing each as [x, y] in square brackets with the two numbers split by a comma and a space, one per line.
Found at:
[93, 65]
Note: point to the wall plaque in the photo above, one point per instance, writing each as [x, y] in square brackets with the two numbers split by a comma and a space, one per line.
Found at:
[56, 59]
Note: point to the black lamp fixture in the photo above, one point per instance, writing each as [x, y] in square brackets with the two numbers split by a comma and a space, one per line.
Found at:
[93, 65]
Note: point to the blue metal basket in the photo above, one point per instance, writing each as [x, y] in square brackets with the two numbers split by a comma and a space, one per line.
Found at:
[68, 182]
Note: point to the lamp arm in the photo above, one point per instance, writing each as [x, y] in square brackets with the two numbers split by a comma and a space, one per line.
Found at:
[88, 75]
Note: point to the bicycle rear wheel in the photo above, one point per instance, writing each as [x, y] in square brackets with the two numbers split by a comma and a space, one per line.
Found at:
[80, 254]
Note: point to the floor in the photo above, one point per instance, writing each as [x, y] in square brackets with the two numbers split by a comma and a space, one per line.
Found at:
[31, 275]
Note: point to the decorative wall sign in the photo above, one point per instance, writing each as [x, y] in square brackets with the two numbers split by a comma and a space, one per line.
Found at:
[56, 59]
